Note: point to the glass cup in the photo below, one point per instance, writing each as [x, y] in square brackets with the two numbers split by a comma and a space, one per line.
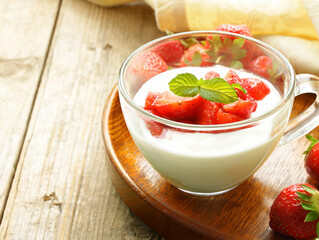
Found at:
[212, 159]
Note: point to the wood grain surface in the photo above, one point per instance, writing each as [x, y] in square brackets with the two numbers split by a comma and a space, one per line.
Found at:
[241, 213]
[25, 32]
[61, 188]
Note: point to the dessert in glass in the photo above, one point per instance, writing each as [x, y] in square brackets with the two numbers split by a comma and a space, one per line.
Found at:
[207, 108]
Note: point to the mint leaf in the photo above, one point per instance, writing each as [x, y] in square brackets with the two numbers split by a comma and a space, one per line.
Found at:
[217, 90]
[238, 86]
[214, 90]
[184, 85]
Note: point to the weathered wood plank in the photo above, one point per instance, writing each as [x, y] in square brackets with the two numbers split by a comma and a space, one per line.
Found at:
[25, 33]
[61, 189]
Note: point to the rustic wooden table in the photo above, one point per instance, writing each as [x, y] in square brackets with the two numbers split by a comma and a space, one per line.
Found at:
[59, 60]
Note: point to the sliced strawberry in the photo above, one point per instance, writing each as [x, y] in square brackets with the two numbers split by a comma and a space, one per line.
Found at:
[171, 51]
[211, 75]
[189, 58]
[232, 77]
[170, 106]
[242, 108]
[256, 89]
[260, 66]
[150, 100]
[207, 114]
[149, 65]
[224, 117]
[155, 128]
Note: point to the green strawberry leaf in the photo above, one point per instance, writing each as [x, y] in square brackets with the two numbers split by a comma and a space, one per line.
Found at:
[236, 64]
[184, 85]
[216, 43]
[227, 43]
[217, 90]
[188, 42]
[308, 206]
[308, 189]
[167, 32]
[238, 86]
[237, 44]
[196, 59]
[312, 144]
[317, 229]
[312, 216]
[303, 196]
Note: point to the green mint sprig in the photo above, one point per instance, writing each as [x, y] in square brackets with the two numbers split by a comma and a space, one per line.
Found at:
[214, 90]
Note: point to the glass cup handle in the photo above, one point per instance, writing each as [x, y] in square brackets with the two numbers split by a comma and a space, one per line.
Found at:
[309, 119]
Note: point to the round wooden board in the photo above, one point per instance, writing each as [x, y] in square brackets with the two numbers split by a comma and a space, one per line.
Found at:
[241, 213]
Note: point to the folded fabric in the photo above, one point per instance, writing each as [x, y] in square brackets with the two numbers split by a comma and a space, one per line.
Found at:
[290, 26]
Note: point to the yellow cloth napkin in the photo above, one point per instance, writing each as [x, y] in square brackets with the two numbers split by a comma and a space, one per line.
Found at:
[290, 26]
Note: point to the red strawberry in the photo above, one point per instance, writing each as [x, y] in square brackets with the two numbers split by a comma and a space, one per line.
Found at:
[155, 128]
[239, 29]
[256, 89]
[211, 75]
[312, 158]
[232, 53]
[170, 106]
[232, 77]
[242, 108]
[148, 65]
[171, 51]
[295, 212]
[207, 114]
[260, 66]
[190, 58]
[224, 117]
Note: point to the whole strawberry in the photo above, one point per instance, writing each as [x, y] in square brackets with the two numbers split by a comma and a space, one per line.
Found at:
[171, 51]
[149, 65]
[312, 158]
[295, 212]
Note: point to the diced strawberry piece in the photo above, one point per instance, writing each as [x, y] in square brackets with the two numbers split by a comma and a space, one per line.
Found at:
[224, 117]
[208, 113]
[149, 65]
[188, 57]
[150, 100]
[242, 108]
[170, 106]
[171, 51]
[232, 77]
[155, 128]
[211, 75]
[260, 66]
[256, 89]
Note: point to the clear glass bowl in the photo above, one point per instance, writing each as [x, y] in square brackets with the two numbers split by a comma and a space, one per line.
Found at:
[212, 159]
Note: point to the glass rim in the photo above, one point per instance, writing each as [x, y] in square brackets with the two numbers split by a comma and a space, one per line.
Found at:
[197, 127]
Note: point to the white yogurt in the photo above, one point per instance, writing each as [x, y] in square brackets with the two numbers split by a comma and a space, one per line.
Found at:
[205, 162]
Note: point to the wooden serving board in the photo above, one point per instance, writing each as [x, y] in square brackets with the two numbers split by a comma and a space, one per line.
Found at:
[241, 213]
